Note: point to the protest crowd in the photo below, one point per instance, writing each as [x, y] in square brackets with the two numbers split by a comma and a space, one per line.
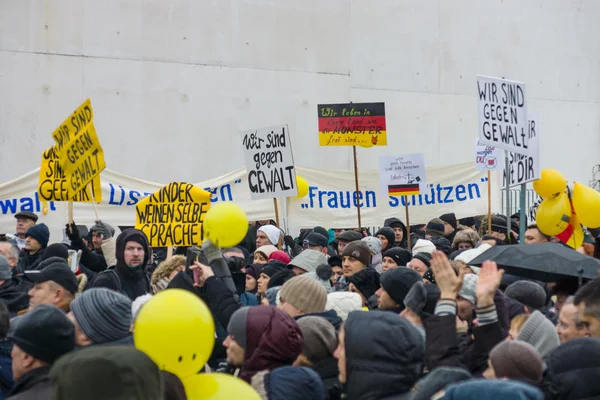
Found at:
[331, 314]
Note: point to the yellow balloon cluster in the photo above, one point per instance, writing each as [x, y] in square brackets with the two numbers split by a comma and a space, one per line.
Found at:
[302, 186]
[225, 224]
[554, 215]
[218, 387]
[586, 202]
[176, 330]
[551, 184]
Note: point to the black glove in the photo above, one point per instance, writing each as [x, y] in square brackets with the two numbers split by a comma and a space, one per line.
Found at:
[289, 241]
[73, 234]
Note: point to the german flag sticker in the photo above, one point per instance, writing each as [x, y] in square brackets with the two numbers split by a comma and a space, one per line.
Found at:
[403, 190]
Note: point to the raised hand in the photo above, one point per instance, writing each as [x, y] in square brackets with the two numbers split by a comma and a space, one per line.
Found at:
[445, 277]
[489, 281]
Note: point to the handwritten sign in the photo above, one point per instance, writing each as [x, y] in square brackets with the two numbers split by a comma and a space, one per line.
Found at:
[269, 163]
[526, 168]
[488, 158]
[402, 175]
[502, 114]
[78, 148]
[360, 124]
[173, 216]
[52, 185]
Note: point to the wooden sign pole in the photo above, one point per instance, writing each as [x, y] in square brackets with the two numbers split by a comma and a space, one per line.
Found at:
[357, 188]
[276, 211]
[407, 223]
[489, 187]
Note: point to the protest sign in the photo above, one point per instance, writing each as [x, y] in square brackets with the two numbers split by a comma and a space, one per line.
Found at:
[360, 124]
[488, 158]
[269, 163]
[402, 175]
[52, 185]
[526, 168]
[78, 148]
[173, 215]
[502, 114]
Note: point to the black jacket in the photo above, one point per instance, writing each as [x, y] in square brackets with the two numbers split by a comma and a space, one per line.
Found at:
[327, 369]
[28, 261]
[384, 355]
[91, 259]
[129, 281]
[14, 295]
[34, 385]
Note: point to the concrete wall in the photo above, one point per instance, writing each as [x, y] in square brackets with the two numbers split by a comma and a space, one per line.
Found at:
[172, 82]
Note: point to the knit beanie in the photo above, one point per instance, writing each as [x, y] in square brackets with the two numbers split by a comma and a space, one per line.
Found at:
[527, 293]
[518, 360]
[366, 281]
[469, 287]
[449, 219]
[267, 250]
[273, 295]
[465, 236]
[343, 303]
[56, 250]
[425, 258]
[358, 250]
[237, 326]
[40, 233]
[540, 333]
[322, 275]
[254, 270]
[435, 228]
[280, 255]
[102, 314]
[281, 277]
[320, 339]
[429, 275]
[308, 260]
[272, 233]
[305, 294]
[388, 233]
[423, 246]
[400, 256]
[273, 267]
[374, 244]
[397, 282]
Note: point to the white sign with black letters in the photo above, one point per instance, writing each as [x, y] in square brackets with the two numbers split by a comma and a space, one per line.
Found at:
[526, 168]
[502, 114]
[269, 163]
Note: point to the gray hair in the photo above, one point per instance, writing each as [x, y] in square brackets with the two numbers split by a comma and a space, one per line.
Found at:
[14, 251]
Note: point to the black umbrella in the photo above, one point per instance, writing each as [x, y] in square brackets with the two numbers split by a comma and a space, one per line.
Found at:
[547, 262]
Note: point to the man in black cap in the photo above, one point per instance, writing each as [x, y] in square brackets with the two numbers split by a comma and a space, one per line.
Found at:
[94, 260]
[316, 241]
[129, 275]
[450, 225]
[345, 238]
[36, 241]
[55, 285]
[41, 337]
[25, 220]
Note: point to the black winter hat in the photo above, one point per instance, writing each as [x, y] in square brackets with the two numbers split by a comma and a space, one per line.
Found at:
[316, 239]
[280, 278]
[349, 236]
[44, 333]
[366, 281]
[425, 258]
[450, 219]
[397, 282]
[56, 250]
[322, 231]
[435, 227]
[335, 261]
[388, 233]
[422, 298]
[57, 272]
[273, 267]
[400, 256]
[527, 293]
[468, 221]
[437, 380]
[40, 233]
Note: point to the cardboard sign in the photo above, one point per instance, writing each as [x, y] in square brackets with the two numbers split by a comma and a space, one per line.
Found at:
[79, 150]
[502, 114]
[173, 215]
[488, 158]
[52, 184]
[269, 163]
[360, 124]
[402, 175]
[526, 168]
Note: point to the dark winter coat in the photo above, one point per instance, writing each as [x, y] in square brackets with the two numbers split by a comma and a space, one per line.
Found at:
[389, 222]
[330, 316]
[6, 375]
[384, 355]
[273, 340]
[129, 281]
[328, 370]
[93, 260]
[573, 371]
[14, 296]
[34, 385]
[293, 383]
[28, 261]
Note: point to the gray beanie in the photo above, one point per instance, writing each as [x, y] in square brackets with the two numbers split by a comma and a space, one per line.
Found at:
[5, 271]
[308, 260]
[103, 315]
[539, 332]
[320, 339]
[527, 293]
[237, 326]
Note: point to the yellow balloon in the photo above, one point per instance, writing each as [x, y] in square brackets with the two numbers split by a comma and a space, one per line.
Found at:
[302, 186]
[218, 387]
[554, 215]
[550, 184]
[176, 330]
[586, 202]
[225, 224]
[576, 239]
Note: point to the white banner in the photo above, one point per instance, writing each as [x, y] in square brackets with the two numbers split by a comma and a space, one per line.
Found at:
[458, 188]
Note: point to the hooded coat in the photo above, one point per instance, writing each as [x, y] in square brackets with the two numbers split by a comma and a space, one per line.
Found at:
[384, 355]
[389, 222]
[273, 340]
[131, 282]
[289, 383]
